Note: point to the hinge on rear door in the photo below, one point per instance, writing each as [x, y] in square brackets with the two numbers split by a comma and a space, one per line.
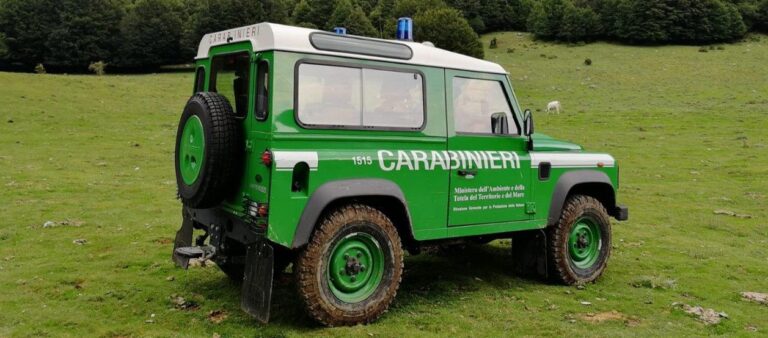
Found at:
[530, 207]
[248, 146]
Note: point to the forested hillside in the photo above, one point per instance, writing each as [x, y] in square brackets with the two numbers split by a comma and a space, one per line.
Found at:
[143, 34]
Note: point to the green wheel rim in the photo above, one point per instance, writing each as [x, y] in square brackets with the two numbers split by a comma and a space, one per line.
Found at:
[191, 150]
[584, 243]
[356, 267]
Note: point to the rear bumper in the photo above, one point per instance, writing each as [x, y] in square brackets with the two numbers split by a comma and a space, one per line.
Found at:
[621, 213]
[217, 226]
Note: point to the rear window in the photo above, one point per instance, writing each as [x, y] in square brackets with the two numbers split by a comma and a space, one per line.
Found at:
[229, 77]
[199, 80]
[357, 97]
[262, 90]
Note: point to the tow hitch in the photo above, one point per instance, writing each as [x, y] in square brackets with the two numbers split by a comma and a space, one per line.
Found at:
[190, 252]
[256, 297]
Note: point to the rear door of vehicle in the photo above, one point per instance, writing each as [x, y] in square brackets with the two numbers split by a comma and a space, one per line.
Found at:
[243, 78]
[258, 174]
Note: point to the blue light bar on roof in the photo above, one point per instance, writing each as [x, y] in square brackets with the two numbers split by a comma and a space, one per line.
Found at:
[405, 29]
[340, 30]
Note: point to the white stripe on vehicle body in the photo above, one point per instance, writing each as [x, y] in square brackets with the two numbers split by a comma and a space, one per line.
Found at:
[571, 160]
[286, 160]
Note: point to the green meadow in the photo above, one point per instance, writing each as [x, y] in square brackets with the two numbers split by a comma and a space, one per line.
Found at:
[93, 158]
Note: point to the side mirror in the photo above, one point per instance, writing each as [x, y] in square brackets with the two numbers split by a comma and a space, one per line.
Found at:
[528, 122]
[499, 124]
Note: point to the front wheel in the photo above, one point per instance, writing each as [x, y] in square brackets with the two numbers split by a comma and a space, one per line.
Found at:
[580, 243]
[350, 271]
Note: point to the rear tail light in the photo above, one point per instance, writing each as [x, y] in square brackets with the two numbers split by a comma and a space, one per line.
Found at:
[266, 158]
[263, 210]
[258, 209]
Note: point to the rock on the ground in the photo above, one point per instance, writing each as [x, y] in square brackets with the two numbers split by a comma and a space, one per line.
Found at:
[201, 263]
[183, 304]
[66, 222]
[708, 316]
[731, 213]
[756, 297]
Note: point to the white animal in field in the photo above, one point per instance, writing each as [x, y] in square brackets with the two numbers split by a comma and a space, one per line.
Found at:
[554, 106]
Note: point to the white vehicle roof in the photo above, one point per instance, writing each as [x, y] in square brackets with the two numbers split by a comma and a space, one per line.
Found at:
[269, 36]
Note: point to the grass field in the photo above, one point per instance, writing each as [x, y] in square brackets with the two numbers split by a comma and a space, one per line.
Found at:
[94, 155]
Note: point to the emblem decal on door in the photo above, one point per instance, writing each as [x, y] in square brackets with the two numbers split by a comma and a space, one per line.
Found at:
[396, 160]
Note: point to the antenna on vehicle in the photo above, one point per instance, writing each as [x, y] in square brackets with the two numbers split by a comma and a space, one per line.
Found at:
[340, 30]
[405, 29]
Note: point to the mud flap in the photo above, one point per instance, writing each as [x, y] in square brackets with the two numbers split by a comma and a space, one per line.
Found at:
[183, 239]
[529, 252]
[257, 284]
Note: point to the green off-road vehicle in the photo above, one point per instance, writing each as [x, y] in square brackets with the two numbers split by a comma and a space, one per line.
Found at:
[337, 153]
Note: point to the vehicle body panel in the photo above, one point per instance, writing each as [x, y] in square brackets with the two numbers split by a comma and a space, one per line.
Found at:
[335, 154]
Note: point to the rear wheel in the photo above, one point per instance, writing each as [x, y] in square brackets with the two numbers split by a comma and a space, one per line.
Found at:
[235, 271]
[350, 271]
[580, 243]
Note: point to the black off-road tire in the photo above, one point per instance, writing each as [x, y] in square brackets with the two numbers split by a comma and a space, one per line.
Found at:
[234, 271]
[312, 263]
[561, 267]
[223, 152]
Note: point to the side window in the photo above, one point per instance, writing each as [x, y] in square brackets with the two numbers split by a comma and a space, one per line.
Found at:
[359, 97]
[329, 95]
[199, 80]
[262, 90]
[392, 99]
[475, 101]
[229, 77]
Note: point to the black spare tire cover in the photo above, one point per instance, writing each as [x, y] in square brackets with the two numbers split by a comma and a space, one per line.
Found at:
[209, 151]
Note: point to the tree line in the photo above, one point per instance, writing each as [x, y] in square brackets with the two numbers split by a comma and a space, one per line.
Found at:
[648, 21]
[144, 34]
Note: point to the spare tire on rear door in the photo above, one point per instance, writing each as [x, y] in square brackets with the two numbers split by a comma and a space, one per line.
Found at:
[208, 151]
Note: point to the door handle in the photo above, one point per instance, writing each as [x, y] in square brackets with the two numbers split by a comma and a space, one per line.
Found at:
[467, 173]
